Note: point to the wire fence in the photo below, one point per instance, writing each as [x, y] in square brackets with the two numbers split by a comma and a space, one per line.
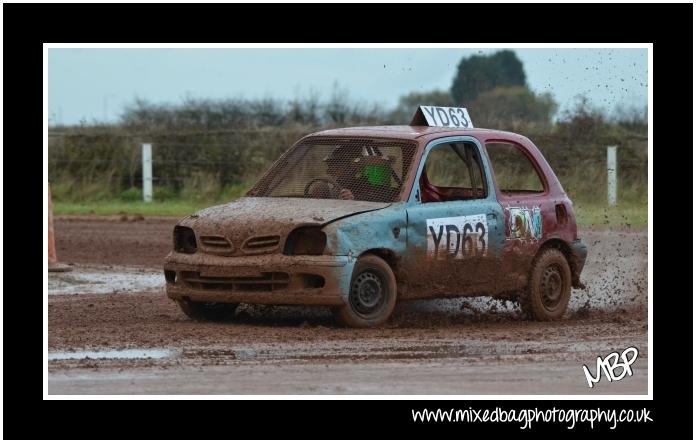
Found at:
[98, 164]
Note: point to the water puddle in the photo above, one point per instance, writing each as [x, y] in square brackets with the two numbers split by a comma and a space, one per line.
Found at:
[112, 354]
[104, 280]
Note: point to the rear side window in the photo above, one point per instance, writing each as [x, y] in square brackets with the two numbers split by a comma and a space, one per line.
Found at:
[513, 170]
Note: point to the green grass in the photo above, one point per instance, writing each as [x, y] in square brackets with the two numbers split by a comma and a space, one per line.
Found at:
[588, 214]
[630, 215]
[118, 207]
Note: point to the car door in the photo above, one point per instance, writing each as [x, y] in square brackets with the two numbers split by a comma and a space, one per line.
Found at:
[455, 231]
[523, 192]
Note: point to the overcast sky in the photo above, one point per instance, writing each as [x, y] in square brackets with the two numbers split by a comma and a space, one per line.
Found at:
[95, 84]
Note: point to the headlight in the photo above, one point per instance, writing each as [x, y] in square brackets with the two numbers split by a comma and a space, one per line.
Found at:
[309, 240]
[184, 240]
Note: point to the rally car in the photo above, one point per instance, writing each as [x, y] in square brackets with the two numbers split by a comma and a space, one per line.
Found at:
[360, 218]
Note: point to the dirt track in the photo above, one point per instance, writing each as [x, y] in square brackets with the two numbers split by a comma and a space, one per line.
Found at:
[460, 346]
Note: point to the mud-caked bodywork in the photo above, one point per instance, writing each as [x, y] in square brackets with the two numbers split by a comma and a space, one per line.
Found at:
[346, 215]
[262, 250]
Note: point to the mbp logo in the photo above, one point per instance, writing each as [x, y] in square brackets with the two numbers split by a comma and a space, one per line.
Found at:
[610, 364]
[457, 237]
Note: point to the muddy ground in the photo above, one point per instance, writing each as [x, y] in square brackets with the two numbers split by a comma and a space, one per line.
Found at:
[113, 331]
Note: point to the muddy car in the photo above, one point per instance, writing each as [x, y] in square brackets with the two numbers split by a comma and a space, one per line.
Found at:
[360, 218]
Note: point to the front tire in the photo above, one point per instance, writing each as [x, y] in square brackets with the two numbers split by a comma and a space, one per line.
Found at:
[548, 291]
[207, 311]
[372, 295]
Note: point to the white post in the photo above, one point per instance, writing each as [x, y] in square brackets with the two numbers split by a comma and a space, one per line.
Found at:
[611, 175]
[147, 172]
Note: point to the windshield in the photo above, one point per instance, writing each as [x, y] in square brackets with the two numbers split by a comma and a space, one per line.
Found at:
[340, 168]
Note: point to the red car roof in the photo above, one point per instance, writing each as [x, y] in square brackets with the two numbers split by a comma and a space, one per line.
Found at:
[407, 132]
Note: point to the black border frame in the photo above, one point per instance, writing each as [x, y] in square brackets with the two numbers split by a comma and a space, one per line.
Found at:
[27, 26]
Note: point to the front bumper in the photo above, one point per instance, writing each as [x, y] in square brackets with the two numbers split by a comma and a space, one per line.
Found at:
[264, 279]
[579, 251]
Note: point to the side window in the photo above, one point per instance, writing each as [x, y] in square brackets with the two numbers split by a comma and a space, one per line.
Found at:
[513, 170]
[452, 172]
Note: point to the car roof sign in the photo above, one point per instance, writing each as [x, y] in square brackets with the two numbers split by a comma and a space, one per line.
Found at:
[442, 116]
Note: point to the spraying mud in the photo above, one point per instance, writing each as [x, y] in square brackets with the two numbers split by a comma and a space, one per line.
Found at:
[122, 335]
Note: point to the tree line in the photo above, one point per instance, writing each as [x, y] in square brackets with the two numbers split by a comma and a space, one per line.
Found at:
[225, 144]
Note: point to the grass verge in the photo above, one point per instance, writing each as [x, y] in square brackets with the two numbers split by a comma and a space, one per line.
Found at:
[625, 215]
[177, 208]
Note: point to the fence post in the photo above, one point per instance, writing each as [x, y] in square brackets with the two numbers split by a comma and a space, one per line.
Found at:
[147, 172]
[611, 175]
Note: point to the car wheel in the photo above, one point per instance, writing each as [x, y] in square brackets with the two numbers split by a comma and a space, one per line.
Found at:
[372, 294]
[548, 290]
[206, 310]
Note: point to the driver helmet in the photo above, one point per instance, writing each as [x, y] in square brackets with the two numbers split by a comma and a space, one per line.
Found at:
[376, 168]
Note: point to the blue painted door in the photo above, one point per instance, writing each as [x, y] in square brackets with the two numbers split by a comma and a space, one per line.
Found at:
[455, 227]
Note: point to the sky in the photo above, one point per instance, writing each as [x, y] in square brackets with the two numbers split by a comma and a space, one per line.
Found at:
[96, 84]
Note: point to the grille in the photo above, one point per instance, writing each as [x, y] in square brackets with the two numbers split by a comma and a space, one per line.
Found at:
[262, 243]
[216, 243]
[368, 169]
[266, 282]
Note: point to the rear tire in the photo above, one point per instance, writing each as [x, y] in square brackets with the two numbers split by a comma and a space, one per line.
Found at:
[207, 311]
[372, 295]
[548, 291]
